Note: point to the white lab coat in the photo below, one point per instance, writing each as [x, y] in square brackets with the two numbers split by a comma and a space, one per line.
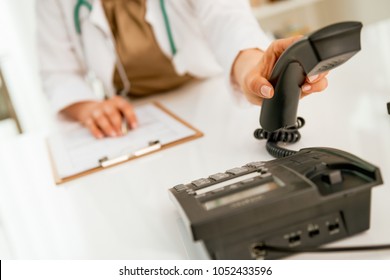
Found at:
[208, 35]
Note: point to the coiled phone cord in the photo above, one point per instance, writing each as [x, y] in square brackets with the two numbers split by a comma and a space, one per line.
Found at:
[286, 135]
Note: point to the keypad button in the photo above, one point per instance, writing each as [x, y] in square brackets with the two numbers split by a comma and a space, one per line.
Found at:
[201, 182]
[237, 170]
[219, 176]
[255, 164]
[180, 187]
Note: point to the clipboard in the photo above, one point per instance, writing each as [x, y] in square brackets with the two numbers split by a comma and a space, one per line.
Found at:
[153, 145]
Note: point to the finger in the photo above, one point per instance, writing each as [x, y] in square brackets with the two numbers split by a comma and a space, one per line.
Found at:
[103, 123]
[258, 86]
[317, 77]
[273, 52]
[279, 46]
[320, 85]
[128, 111]
[96, 132]
[114, 117]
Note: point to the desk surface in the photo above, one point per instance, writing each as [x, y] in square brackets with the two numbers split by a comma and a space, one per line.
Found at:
[125, 212]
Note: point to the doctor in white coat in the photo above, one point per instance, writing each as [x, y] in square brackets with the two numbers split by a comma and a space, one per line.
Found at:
[200, 38]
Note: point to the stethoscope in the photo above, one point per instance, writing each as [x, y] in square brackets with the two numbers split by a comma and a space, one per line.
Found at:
[93, 80]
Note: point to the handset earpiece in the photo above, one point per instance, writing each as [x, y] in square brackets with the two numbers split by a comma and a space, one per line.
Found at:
[323, 50]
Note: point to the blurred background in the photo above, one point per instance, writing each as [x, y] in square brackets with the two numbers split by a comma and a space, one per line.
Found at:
[24, 108]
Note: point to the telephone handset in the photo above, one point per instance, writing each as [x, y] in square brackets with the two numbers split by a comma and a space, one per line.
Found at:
[323, 50]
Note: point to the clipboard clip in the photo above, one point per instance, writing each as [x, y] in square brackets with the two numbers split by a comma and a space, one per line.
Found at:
[152, 146]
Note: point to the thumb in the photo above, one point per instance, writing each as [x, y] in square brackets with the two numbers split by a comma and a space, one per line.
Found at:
[260, 86]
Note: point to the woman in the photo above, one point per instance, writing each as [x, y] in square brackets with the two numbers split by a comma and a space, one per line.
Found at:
[139, 47]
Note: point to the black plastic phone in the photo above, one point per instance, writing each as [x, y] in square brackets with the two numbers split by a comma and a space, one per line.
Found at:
[323, 50]
[317, 196]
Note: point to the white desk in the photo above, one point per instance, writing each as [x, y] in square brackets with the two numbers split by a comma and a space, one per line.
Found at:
[125, 212]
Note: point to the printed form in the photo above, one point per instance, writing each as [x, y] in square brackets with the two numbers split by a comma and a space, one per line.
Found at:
[74, 149]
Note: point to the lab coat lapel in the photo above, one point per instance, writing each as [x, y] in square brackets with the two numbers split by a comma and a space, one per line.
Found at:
[98, 18]
[99, 45]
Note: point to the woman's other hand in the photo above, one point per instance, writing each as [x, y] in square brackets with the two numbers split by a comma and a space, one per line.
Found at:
[103, 118]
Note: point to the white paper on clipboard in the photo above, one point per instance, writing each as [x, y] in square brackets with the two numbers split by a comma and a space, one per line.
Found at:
[74, 150]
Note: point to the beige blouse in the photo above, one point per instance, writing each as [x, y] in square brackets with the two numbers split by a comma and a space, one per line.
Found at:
[147, 68]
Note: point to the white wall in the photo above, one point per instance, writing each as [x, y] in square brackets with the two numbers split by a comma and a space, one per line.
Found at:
[366, 11]
[313, 14]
